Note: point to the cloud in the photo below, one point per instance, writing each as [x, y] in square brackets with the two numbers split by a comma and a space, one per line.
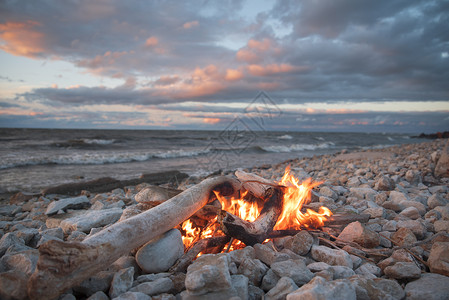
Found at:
[190, 24]
[22, 38]
[152, 41]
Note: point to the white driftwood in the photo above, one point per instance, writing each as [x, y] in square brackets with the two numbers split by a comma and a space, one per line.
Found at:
[253, 183]
[63, 265]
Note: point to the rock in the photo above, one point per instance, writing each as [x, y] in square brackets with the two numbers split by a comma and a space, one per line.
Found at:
[68, 203]
[319, 288]
[121, 282]
[404, 237]
[369, 269]
[91, 219]
[254, 269]
[340, 272]
[269, 280]
[294, 269]
[133, 296]
[178, 280]
[255, 293]
[413, 176]
[13, 285]
[299, 243]
[159, 254]
[436, 200]
[284, 286]
[384, 183]
[266, 254]
[439, 258]
[331, 256]
[430, 287]
[155, 195]
[159, 286]
[10, 240]
[418, 229]
[240, 255]
[375, 212]
[403, 270]
[318, 266]
[411, 213]
[125, 262]
[240, 285]
[441, 225]
[99, 282]
[444, 211]
[98, 296]
[376, 289]
[151, 277]
[208, 273]
[442, 167]
[357, 233]
[390, 225]
[363, 193]
[438, 189]
[21, 197]
[9, 210]
[328, 192]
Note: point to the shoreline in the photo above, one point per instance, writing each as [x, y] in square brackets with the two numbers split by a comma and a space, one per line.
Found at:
[105, 184]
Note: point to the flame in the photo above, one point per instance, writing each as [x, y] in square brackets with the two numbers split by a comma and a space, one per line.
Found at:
[295, 196]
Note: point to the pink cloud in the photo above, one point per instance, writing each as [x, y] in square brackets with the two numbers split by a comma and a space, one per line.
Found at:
[256, 51]
[233, 75]
[152, 41]
[22, 39]
[260, 70]
[191, 24]
[211, 120]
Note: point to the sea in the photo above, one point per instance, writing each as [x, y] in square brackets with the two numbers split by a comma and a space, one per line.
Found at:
[31, 159]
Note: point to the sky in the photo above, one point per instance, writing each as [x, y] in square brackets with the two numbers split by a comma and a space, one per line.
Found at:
[328, 65]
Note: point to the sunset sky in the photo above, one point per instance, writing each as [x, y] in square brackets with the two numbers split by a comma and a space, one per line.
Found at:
[329, 65]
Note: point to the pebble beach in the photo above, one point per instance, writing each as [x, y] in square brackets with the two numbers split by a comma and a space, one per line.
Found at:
[402, 252]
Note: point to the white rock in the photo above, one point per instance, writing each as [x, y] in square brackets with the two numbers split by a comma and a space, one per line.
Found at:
[331, 256]
[160, 254]
[284, 286]
[91, 219]
[133, 296]
[299, 243]
[357, 233]
[341, 272]
[254, 269]
[294, 269]
[429, 287]
[159, 286]
[319, 288]
[403, 270]
[121, 282]
[68, 203]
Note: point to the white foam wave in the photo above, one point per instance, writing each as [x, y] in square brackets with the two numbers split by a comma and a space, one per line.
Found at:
[285, 137]
[297, 147]
[98, 141]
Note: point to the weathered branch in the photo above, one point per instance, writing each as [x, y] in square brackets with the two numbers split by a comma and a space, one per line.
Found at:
[63, 265]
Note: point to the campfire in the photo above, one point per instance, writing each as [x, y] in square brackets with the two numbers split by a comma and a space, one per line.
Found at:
[263, 211]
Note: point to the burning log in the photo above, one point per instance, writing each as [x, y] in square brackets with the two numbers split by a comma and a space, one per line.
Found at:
[63, 265]
[252, 233]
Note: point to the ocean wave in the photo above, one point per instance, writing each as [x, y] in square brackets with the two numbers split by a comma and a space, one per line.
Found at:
[297, 147]
[98, 141]
[285, 137]
[97, 158]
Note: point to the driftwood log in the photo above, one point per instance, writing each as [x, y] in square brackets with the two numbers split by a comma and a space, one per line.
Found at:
[62, 265]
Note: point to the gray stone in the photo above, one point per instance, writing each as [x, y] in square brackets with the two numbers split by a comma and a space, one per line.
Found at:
[384, 239]
[403, 270]
[133, 296]
[240, 285]
[299, 243]
[441, 225]
[284, 286]
[10, 240]
[159, 286]
[397, 197]
[444, 211]
[294, 269]
[269, 280]
[410, 212]
[98, 296]
[418, 229]
[67, 297]
[266, 254]
[151, 277]
[328, 192]
[375, 212]
[416, 204]
[390, 225]
[319, 288]
[160, 254]
[240, 255]
[331, 256]
[255, 293]
[13, 285]
[413, 176]
[318, 266]
[376, 289]
[208, 273]
[363, 193]
[442, 167]
[369, 268]
[254, 269]
[438, 189]
[68, 203]
[384, 183]
[9, 210]
[439, 258]
[429, 287]
[404, 237]
[357, 233]
[121, 282]
[341, 272]
[91, 219]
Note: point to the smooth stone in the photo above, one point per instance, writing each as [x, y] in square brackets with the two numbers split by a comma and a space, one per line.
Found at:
[429, 287]
[341, 272]
[159, 286]
[403, 270]
[254, 269]
[294, 269]
[240, 255]
[411, 213]
[439, 258]
[24, 262]
[436, 200]
[91, 219]
[208, 273]
[159, 254]
[300, 243]
[284, 286]
[328, 192]
[266, 254]
[13, 285]
[384, 183]
[68, 203]
[331, 256]
[442, 167]
[133, 296]
[240, 285]
[418, 229]
[99, 282]
[269, 280]
[441, 225]
[369, 268]
[255, 293]
[98, 296]
[376, 289]
[356, 232]
[318, 288]
[444, 211]
[404, 237]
